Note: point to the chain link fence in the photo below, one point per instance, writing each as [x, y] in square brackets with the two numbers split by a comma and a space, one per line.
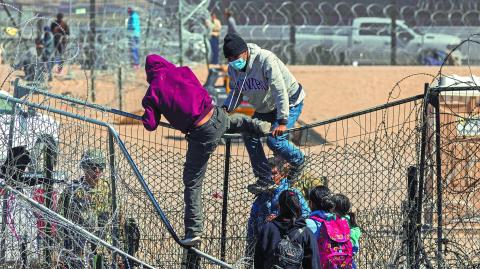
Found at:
[408, 168]
[365, 155]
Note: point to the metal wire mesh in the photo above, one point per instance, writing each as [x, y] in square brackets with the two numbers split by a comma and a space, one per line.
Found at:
[449, 206]
[364, 155]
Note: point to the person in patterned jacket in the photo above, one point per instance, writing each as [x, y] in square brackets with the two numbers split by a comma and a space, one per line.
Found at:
[86, 203]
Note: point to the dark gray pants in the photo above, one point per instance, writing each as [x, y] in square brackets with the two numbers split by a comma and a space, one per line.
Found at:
[202, 142]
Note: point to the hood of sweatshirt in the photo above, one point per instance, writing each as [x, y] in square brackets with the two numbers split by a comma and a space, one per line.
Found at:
[156, 67]
[286, 225]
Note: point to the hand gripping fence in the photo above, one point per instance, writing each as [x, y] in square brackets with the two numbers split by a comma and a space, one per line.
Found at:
[113, 136]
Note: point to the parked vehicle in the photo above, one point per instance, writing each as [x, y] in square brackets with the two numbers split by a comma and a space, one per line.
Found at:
[369, 40]
[366, 41]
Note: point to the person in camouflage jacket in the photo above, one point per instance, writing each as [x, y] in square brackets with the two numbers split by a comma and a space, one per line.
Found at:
[86, 202]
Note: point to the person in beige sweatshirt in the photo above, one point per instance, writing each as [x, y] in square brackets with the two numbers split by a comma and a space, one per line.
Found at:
[277, 97]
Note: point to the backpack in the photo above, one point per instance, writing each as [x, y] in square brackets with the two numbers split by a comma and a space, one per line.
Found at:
[334, 244]
[289, 253]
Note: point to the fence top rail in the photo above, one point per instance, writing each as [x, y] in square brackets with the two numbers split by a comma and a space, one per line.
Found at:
[449, 89]
[359, 113]
[167, 125]
[132, 164]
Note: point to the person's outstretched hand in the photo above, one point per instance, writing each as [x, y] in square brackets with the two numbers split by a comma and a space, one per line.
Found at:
[279, 130]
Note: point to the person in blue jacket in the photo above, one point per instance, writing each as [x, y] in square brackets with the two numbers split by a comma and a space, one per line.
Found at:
[133, 32]
[266, 205]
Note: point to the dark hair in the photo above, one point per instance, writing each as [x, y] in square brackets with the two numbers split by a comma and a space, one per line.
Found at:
[290, 207]
[59, 16]
[320, 198]
[342, 204]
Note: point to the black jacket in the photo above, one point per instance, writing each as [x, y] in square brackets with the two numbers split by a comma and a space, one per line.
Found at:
[270, 236]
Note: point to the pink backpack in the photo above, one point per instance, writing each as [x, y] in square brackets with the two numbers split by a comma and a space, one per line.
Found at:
[334, 245]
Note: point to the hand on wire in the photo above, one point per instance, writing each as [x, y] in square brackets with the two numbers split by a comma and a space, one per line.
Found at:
[279, 130]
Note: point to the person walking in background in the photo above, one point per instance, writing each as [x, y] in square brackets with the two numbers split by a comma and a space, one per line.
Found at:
[60, 32]
[133, 32]
[215, 26]
[277, 98]
[232, 25]
[48, 48]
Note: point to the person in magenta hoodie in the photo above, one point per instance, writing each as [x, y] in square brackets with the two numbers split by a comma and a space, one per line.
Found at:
[176, 93]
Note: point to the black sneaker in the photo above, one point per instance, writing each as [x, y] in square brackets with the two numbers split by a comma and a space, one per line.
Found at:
[259, 187]
[296, 172]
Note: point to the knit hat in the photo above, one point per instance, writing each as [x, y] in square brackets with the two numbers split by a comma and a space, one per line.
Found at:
[233, 45]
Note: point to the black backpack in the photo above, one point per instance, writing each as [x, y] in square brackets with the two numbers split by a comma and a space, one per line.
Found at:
[289, 253]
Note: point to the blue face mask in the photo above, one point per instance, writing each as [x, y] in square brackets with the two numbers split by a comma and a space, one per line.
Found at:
[238, 64]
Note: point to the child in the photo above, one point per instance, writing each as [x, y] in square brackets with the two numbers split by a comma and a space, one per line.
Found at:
[47, 51]
[288, 231]
[279, 174]
[342, 208]
[266, 205]
[321, 205]
[176, 93]
[332, 233]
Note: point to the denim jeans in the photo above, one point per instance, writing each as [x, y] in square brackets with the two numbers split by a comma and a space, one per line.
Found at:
[214, 43]
[202, 142]
[280, 145]
[133, 43]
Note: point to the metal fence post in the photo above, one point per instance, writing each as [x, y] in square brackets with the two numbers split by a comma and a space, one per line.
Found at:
[223, 240]
[120, 89]
[49, 152]
[293, 31]
[180, 34]
[23, 254]
[92, 57]
[393, 42]
[114, 198]
[412, 191]
[11, 129]
[436, 104]
[423, 144]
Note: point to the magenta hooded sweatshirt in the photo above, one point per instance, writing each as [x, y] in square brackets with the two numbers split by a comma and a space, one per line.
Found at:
[174, 92]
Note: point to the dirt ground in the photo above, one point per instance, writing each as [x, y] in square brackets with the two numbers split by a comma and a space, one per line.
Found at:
[331, 90]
